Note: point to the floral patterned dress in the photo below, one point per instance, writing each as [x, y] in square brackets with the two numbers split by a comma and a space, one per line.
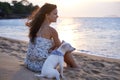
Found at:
[37, 53]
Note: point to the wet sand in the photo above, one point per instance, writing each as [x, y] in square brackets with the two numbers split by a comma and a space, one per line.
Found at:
[12, 54]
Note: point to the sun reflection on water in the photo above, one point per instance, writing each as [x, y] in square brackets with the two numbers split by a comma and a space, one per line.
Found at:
[68, 31]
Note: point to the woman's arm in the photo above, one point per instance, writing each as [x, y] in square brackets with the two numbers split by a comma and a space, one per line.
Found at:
[54, 35]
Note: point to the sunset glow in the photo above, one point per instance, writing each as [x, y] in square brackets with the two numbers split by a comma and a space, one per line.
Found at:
[83, 8]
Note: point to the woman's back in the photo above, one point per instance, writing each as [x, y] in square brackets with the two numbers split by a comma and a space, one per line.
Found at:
[37, 53]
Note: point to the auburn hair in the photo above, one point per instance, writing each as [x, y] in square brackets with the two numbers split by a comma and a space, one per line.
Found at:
[38, 19]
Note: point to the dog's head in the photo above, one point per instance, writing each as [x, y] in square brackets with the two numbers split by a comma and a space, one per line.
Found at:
[66, 47]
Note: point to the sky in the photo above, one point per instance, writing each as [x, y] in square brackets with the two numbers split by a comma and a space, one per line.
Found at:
[83, 8]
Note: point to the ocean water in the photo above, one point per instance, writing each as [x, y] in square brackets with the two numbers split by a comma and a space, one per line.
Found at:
[95, 36]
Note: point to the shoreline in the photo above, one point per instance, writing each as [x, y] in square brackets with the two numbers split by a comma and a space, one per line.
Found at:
[76, 52]
[26, 41]
[12, 54]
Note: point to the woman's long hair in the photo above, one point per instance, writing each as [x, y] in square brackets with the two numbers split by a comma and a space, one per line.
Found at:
[38, 19]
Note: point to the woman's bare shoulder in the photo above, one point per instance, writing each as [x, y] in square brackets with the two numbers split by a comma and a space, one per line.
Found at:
[53, 30]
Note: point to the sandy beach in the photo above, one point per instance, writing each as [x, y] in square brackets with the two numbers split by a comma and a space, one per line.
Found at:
[12, 54]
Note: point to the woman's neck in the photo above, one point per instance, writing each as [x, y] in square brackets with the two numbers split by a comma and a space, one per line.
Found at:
[46, 23]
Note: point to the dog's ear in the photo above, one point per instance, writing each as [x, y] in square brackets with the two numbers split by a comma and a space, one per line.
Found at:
[63, 46]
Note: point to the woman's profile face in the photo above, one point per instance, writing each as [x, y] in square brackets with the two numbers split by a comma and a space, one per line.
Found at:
[52, 17]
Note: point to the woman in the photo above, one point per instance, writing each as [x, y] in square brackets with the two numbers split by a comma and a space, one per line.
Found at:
[43, 38]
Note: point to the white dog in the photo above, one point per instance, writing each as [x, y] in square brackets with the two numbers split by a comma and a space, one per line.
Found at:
[55, 59]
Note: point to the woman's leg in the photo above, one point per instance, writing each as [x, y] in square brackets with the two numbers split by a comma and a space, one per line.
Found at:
[68, 58]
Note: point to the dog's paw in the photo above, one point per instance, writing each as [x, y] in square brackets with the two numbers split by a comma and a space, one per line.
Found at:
[39, 75]
[63, 77]
[36, 77]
